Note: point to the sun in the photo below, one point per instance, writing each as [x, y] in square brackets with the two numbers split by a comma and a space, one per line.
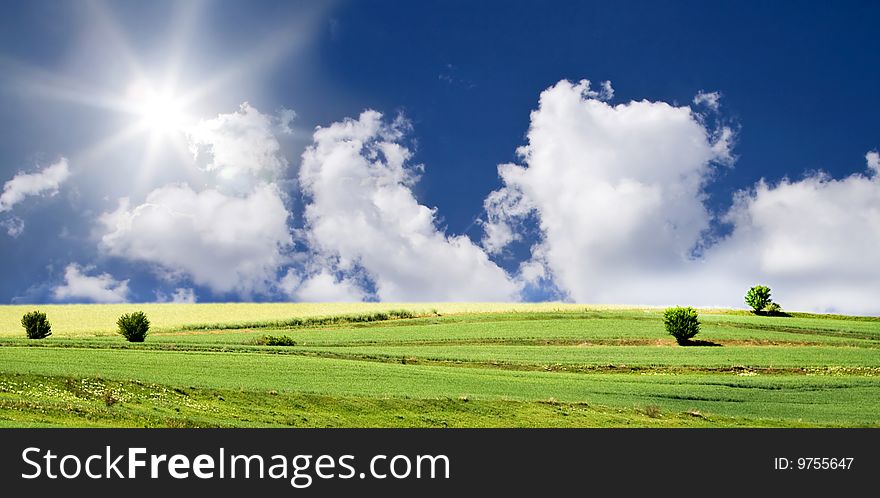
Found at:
[158, 111]
[162, 114]
[159, 115]
[153, 110]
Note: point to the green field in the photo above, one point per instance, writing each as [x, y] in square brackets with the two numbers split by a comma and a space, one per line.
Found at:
[448, 365]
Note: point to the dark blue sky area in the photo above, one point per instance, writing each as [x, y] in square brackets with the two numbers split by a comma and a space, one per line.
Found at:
[799, 78]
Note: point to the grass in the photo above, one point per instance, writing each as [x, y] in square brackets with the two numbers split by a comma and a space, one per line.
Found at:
[807, 359]
[41, 401]
[89, 320]
[454, 365]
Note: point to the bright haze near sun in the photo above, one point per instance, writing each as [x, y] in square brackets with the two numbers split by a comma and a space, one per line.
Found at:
[143, 95]
[158, 111]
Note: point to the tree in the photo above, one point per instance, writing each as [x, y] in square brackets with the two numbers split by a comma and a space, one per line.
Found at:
[36, 325]
[134, 326]
[681, 323]
[758, 297]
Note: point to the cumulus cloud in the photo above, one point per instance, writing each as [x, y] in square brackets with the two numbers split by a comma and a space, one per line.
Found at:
[224, 242]
[712, 100]
[618, 195]
[285, 120]
[363, 216]
[321, 287]
[79, 286]
[815, 240]
[241, 148]
[504, 206]
[873, 159]
[617, 190]
[230, 236]
[607, 93]
[14, 226]
[181, 295]
[46, 181]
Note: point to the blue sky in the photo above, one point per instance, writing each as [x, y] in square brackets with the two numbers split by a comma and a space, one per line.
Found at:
[145, 102]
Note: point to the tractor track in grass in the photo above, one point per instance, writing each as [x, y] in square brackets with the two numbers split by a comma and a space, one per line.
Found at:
[849, 334]
[427, 321]
[251, 345]
[339, 353]
[589, 342]
[741, 370]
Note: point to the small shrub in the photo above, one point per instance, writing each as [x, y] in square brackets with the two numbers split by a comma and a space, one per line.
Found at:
[36, 325]
[272, 340]
[681, 323]
[758, 297]
[773, 309]
[134, 326]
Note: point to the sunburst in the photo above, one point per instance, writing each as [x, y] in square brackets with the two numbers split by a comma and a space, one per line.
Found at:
[159, 105]
[158, 112]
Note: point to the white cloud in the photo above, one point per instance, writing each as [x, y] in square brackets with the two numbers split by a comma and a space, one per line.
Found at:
[618, 194]
[617, 191]
[230, 236]
[48, 180]
[873, 159]
[285, 120]
[321, 287]
[712, 100]
[722, 145]
[181, 295]
[607, 92]
[102, 288]
[532, 271]
[14, 226]
[814, 241]
[503, 206]
[363, 215]
[241, 148]
[227, 243]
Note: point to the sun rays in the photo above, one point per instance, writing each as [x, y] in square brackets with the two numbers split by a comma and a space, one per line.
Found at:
[153, 106]
[158, 111]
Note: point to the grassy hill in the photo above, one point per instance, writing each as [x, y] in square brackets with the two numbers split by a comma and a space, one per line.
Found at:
[450, 365]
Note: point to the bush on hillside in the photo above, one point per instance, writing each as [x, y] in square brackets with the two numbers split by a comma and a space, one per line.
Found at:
[773, 309]
[134, 326]
[681, 323]
[758, 297]
[36, 325]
